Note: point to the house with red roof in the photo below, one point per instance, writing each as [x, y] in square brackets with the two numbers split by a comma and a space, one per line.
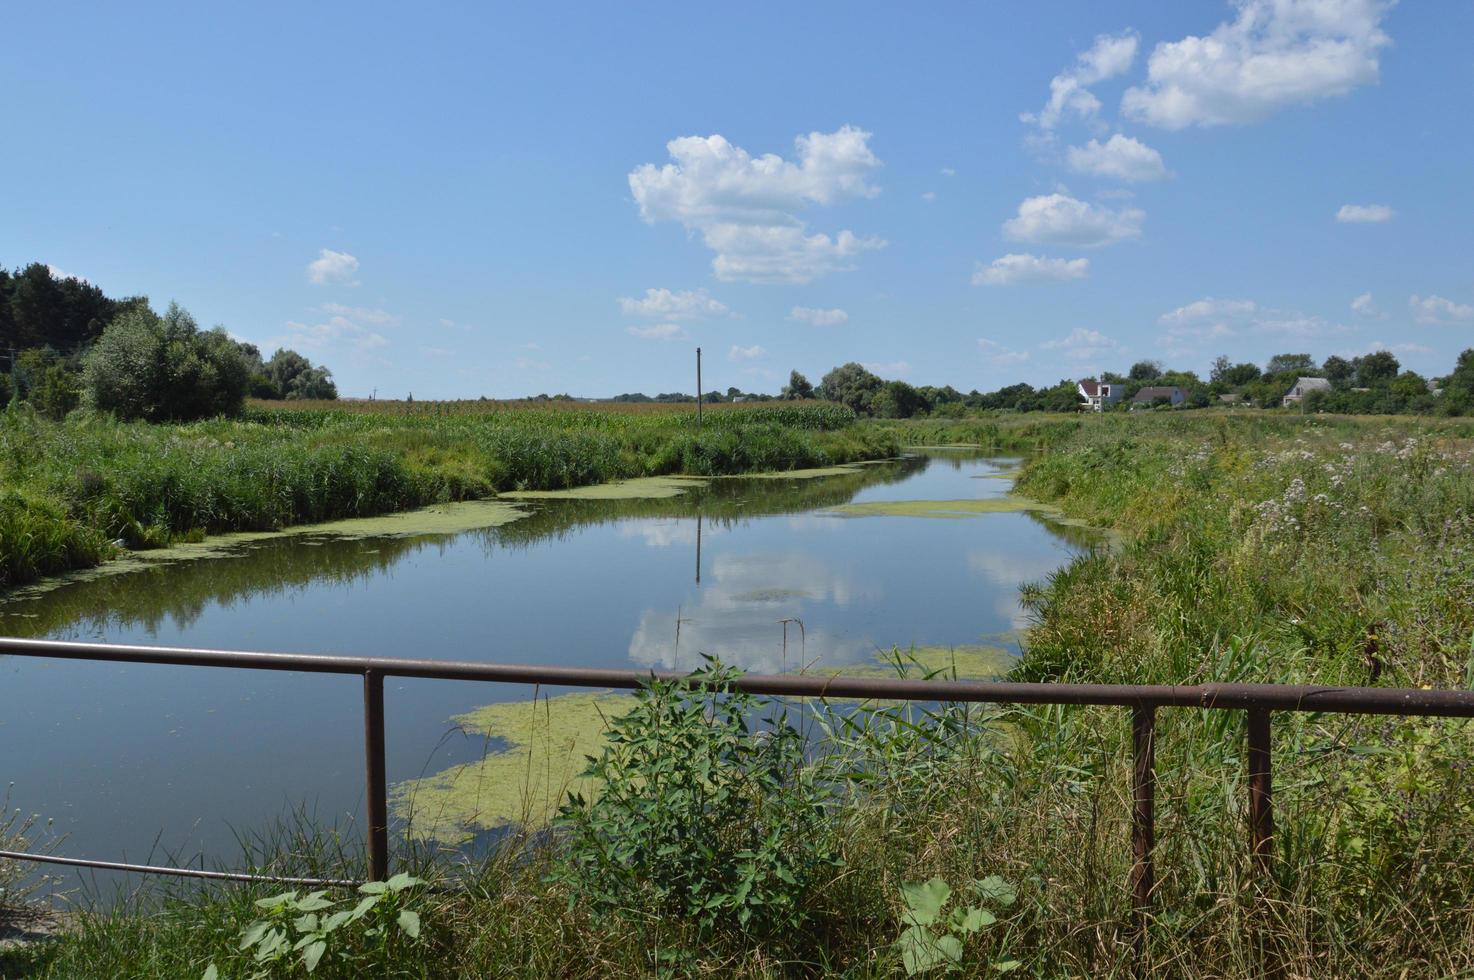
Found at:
[1099, 395]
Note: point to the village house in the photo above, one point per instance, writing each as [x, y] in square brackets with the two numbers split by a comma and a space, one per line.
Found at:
[1098, 395]
[1155, 394]
[1303, 387]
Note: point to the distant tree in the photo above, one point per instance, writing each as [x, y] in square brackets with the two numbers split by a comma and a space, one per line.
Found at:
[1226, 374]
[798, 387]
[38, 309]
[897, 400]
[1376, 368]
[164, 368]
[1337, 369]
[1297, 364]
[296, 378]
[851, 384]
[1145, 370]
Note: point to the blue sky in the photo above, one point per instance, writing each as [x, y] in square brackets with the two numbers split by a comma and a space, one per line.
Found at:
[457, 200]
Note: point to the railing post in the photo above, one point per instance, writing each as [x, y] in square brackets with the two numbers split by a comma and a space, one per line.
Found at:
[1143, 813]
[376, 793]
[1261, 795]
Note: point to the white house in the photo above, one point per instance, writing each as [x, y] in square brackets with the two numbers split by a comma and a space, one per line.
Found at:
[1098, 395]
[1303, 387]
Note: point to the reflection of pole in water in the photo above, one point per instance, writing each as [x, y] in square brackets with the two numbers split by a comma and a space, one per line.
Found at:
[698, 547]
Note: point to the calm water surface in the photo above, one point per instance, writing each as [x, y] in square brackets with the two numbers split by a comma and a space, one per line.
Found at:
[143, 762]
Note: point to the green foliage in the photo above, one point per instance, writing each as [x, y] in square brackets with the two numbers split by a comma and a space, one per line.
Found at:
[933, 941]
[699, 815]
[294, 377]
[164, 369]
[311, 932]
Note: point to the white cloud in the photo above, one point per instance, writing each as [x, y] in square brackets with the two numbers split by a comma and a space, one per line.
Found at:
[1083, 345]
[62, 274]
[1436, 309]
[1364, 214]
[1058, 219]
[530, 364]
[332, 267]
[336, 332]
[746, 353]
[948, 172]
[1295, 325]
[1274, 54]
[664, 304]
[360, 314]
[1207, 308]
[1069, 94]
[657, 331]
[745, 207]
[1399, 348]
[1014, 268]
[928, 196]
[999, 355]
[887, 368]
[817, 317]
[1365, 306]
[1120, 157]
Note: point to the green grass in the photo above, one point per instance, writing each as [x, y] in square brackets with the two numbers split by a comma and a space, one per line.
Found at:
[69, 490]
[1255, 548]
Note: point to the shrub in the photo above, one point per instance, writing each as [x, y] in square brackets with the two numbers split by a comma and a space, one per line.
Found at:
[699, 816]
[164, 368]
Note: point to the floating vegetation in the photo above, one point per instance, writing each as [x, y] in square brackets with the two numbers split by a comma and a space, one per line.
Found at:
[969, 661]
[812, 473]
[771, 595]
[642, 488]
[939, 508]
[546, 742]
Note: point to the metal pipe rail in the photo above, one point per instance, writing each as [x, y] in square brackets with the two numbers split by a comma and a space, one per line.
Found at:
[1258, 700]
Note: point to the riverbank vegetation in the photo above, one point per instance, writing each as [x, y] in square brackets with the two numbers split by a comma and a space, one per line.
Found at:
[1253, 549]
[77, 491]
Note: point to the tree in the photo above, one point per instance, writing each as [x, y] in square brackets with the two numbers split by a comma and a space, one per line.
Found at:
[897, 400]
[798, 387]
[850, 384]
[296, 378]
[1145, 370]
[164, 368]
[1338, 370]
[1297, 364]
[1226, 374]
[1376, 368]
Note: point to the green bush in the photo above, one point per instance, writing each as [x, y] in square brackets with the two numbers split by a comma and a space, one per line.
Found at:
[699, 816]
[164, 369]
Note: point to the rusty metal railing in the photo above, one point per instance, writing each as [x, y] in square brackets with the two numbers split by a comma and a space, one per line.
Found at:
[1258, 700]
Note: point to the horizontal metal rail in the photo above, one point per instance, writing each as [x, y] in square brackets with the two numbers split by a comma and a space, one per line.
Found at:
[1258, 700]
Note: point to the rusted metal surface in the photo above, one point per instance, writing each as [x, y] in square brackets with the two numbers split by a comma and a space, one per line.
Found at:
[1258, 700]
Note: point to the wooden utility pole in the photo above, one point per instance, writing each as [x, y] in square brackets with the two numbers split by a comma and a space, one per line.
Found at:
[698, 387]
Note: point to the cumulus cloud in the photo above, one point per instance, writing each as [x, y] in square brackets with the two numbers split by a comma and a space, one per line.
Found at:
[1204, 309]
[1365, 306]
[887, 368]
[1058, 219]
[745, 207]
[332, 268]
[1364, 214]
[1083, 345]
[360, 314]
[746, 353]
[1274, 54]
[667, 304]
[1069, 93]
[929, 196]
[999, 355]
[818, 318]
[1016, 268]
[1210, 318]
[335, 333]
[1119, 157]
[1436, 309]
[657, 331]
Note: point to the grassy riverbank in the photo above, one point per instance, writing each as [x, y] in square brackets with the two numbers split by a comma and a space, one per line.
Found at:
[1254, 549]
[72, 493]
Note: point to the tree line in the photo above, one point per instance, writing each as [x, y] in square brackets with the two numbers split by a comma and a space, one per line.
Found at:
[64, 345]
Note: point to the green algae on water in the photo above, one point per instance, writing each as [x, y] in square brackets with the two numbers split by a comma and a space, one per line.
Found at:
[546, 743]
[646, 487]
[968, 661]
[938, 508]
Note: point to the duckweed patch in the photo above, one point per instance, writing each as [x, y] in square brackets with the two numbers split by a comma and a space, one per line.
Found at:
[642, 488]
[968, 661]
[546, 743]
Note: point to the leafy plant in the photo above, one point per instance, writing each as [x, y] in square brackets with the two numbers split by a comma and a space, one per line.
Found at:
[934, 941]
[700, 815]
[298, 930]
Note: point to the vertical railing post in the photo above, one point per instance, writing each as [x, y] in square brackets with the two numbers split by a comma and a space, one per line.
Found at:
[1143, 814]
[376, 793]
[1261, 795]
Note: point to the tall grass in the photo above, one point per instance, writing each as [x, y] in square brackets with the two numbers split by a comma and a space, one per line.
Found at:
[72, 492]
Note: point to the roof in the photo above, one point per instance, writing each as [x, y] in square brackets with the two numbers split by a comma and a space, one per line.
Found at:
[1310, 384]
[1152, 392]
[1090, 387]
